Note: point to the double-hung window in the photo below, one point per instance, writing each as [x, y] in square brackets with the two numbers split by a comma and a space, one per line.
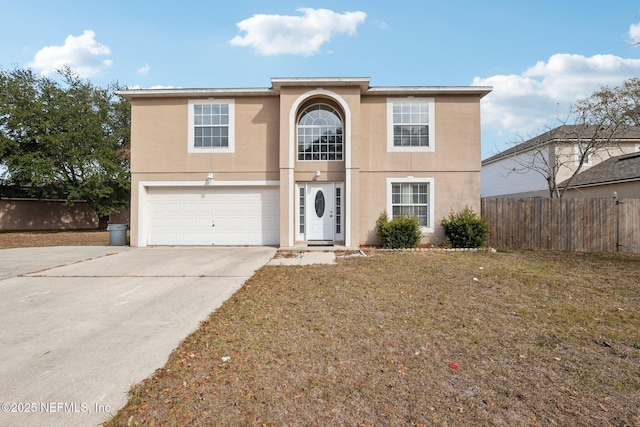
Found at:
[580, 152]
[211, 126]
[410, 124]
[411, 197]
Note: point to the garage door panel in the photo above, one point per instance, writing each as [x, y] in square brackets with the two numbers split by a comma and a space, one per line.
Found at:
[222, 207]
[236, 211]
[238, 222]
[172, 222]
[205, 222]
[174, 207]
[190, 223]
[254, 208]
[242, 216]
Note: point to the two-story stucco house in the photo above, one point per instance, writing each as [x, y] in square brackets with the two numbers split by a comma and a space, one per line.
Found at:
[520, 171]
[305, 160]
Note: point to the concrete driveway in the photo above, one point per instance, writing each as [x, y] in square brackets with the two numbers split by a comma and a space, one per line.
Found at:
[80, 325]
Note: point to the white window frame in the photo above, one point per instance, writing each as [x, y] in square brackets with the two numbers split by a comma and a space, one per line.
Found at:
[430, 228]
[431, 123]
[577, 152]
[332, 110]
[191, 126]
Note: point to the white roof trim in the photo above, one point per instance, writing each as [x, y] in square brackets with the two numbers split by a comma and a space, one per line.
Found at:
[324, 82]
[430, 90]
[194, 93]
[279, 82]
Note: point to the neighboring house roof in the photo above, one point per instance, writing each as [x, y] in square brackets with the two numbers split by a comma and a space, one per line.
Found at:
[277, 83]
[614, 170]
[564, 133]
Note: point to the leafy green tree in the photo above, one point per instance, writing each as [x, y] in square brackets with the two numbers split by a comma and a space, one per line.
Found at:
[65, 138]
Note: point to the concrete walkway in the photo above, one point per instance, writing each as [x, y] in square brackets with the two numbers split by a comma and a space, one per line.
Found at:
[80, 325]
[303, 258]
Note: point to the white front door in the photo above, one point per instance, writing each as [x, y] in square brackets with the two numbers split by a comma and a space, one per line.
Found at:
[320, 211]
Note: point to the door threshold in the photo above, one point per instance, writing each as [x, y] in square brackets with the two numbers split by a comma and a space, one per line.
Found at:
[319, 243]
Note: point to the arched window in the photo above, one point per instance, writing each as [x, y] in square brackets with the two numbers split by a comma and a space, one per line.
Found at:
[320, 133]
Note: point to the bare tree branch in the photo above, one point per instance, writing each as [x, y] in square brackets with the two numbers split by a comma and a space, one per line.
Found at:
[592, 131]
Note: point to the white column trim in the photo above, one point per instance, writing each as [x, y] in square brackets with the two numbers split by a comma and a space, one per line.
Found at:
[347, 157]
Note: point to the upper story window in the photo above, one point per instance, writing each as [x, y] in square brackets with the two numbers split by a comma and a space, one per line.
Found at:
[582, 155]
[410, 124]
[320, 134]
[211, 125]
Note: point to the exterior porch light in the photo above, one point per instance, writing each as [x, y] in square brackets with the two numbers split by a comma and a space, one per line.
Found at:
[209, 178]
[316, 176]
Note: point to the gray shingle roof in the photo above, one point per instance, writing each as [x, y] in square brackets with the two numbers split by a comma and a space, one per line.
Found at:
[616, 169]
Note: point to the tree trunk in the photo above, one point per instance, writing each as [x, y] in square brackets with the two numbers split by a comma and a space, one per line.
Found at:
[103, 221]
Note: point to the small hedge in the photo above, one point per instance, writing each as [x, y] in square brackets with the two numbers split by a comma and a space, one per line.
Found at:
[398, 233]
[466, 229]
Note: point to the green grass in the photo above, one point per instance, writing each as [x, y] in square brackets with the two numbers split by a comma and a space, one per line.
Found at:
[539, 339]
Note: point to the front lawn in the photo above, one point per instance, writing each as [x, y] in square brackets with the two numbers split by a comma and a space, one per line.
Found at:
[409, 339]
[29, 239]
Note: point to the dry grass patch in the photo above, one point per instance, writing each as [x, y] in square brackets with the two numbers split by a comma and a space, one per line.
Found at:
[417, 338]
[26, 239]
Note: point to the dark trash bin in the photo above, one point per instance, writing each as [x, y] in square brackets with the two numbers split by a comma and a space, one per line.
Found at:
[118, 234]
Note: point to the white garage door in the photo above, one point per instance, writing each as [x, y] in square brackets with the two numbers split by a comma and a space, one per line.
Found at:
[213, 216]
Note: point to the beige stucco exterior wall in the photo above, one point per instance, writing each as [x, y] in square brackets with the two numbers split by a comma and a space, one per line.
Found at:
[454, 165]
[159, 149]
[265, 150]
[566, 154]
[161, 142]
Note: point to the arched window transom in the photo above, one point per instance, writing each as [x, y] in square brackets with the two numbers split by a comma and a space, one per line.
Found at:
[320, 134]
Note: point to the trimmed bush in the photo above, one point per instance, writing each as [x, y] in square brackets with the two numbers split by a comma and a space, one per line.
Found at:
[399, 233]
[466, 229]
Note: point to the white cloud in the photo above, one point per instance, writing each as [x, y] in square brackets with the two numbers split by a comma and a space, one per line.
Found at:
[524, 103]
[82, 53]
[144, 70]
[634, 33]
[297, 35]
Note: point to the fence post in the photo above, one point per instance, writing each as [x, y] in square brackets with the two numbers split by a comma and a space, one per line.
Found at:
[617, 220]
[616, 226]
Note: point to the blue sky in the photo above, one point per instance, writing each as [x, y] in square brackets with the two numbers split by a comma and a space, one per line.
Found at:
[540, 56]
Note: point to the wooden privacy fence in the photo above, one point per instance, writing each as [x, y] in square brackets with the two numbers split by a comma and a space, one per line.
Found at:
[572, 224]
